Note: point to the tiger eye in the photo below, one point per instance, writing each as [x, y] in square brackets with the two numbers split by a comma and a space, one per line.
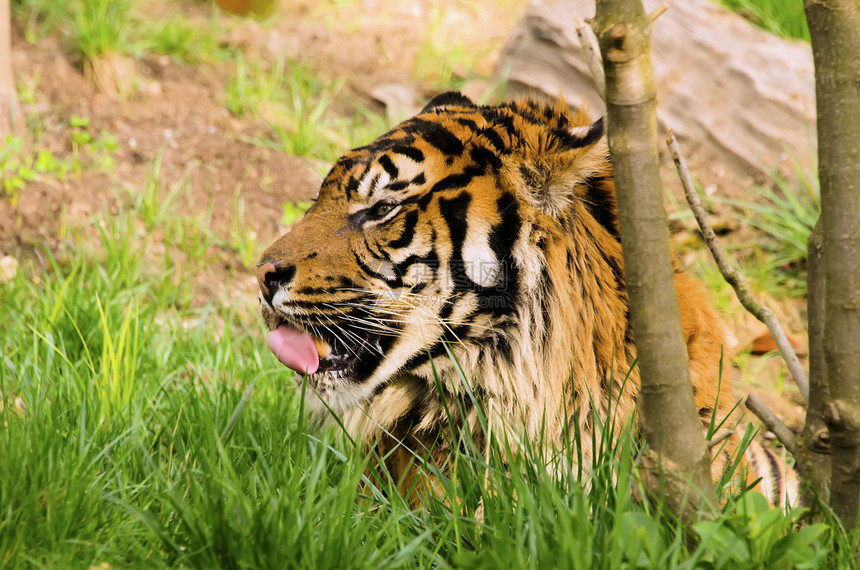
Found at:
[383, 209]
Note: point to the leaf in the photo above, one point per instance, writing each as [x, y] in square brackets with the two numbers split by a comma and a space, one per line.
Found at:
[45, 162]
[79, 122]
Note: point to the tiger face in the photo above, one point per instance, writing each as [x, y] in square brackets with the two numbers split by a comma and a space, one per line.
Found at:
[415, 251]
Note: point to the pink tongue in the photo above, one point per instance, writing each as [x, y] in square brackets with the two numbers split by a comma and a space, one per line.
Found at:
[294, 348]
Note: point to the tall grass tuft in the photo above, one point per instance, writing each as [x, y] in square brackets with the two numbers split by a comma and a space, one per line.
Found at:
[785, 214]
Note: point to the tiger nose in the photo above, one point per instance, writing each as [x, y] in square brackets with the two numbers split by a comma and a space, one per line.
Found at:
[271, 277]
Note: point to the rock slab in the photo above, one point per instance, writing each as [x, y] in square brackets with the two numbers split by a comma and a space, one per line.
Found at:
[741, 101]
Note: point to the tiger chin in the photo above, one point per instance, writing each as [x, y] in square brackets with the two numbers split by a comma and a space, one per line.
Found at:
[477, 242]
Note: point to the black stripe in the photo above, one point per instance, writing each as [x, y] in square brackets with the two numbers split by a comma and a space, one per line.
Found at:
[455, 211]
[504, 234]
[440, 138]
[430, 260]
[409, 151]
[317, 290]
[777, 475]
[373, 182]
[361, 176]
[410, 220]
[386, 164]
[494, 139]
[501, 299]
[437, 349]
[615, 267]
[503, 348]
[371, 247]
[601, 204]
[469, 123]
[545, 292]
[457, 180]
[591, 136]
[351, 186]
[394, 283]
[447, 309]
[485, 157]
[448, 99]
[397, 186]
[367, 366]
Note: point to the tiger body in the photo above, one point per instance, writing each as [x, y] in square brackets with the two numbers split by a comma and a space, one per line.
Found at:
[475, 249]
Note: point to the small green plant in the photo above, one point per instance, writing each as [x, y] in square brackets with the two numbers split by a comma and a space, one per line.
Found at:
[17, 168]
[99, 149]
[14, 170]
[192, 234]
[755, 535]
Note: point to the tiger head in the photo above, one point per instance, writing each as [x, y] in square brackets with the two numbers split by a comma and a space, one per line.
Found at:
[473, 253]
[456, 242]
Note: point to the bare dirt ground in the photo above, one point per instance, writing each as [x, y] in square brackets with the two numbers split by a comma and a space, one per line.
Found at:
[179, 115]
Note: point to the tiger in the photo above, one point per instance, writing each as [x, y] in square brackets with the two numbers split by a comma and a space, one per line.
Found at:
[475, 250]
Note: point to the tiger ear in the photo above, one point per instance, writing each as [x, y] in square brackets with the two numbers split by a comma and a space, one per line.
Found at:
[549, 170]
[448, 99]
[584, 136]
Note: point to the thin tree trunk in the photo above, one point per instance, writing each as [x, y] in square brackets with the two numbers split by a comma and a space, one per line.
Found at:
[813, 446]
[834, 27]
[12, 119]
[666, 407]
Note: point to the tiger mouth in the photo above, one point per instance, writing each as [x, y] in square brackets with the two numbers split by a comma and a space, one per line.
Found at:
[337, 350]
[337, 356]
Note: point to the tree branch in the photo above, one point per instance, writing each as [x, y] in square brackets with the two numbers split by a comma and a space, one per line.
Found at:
[591, 51]
[719, 437]
[730, 272]
[771, 422]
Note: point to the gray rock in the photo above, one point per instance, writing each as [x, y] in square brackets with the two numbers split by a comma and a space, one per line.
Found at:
[741, 101]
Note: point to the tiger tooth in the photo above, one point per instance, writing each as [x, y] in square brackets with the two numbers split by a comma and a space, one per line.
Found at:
[323, 348]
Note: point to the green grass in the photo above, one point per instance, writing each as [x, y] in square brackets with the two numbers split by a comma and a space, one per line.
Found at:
[140, 431]
[784, 18]
[299, 108]
[100, 26]
[784, 214]
[183, 39]
[441, 61]
[92, 28]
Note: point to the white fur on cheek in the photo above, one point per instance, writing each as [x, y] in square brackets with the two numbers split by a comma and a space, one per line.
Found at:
[481, 263]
